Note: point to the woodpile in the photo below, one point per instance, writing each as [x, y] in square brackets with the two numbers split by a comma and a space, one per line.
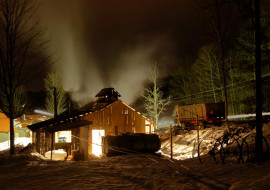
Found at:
[131, 143]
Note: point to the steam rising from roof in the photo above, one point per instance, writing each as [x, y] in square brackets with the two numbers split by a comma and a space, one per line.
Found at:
[87, 66]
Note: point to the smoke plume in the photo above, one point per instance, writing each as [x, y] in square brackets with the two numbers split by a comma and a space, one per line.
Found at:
[91, 54]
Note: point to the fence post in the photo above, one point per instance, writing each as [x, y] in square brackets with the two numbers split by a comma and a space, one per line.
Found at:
[171, 137]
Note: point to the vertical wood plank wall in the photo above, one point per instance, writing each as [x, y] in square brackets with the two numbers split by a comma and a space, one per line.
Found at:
[115, 119]
[116, 115]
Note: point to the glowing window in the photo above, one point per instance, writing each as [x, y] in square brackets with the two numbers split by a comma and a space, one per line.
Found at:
[147, 122]
[152, 129]
[63, 136]
[147, 129]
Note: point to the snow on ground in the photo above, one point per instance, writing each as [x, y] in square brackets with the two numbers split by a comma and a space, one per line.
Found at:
[59, 154]
[123, 172]
[247, 176]
[32, 171]
[24, 141]
[185, 143]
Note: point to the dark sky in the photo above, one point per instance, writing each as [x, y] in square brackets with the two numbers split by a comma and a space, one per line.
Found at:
[100, 43]
[125, 23]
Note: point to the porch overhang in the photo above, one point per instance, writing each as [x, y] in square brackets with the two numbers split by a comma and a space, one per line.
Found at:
[67, 126]
[60, 124]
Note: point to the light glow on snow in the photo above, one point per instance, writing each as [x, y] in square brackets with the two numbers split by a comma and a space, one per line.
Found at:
[59, 154]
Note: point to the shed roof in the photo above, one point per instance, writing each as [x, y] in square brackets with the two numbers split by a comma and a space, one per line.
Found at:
[67, 117]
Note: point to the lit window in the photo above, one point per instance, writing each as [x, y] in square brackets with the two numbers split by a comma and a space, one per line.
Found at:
[147, 129]
[63, 136]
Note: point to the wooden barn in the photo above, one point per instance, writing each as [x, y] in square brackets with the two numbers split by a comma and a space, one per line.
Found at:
[83, 129]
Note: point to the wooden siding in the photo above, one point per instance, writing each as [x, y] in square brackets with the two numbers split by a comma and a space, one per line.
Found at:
[115, 119]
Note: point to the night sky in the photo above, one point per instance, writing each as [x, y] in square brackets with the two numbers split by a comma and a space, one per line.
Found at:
[98, 44]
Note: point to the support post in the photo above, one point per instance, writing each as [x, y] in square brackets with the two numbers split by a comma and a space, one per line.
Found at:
[171, 138]
[52, 145]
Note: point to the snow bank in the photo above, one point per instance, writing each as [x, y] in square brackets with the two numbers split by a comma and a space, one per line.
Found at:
[19, 159]
[185, 144]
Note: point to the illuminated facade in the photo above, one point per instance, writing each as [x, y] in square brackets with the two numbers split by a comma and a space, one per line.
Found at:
[83, 130]
[115, 119]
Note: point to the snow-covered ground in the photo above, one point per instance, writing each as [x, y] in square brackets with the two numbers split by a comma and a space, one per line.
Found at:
[56, 154]
[185, 143]
[141, 171]
[32, 171]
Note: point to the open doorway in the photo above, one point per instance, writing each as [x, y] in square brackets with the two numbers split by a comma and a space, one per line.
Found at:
[97, 141]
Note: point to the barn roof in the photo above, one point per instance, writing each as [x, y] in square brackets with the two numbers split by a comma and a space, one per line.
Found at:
[62, 122]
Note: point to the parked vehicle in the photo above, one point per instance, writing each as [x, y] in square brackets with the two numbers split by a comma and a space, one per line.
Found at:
[210, 113]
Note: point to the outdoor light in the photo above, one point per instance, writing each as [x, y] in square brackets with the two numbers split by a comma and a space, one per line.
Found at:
[43, 112]
[246, 115]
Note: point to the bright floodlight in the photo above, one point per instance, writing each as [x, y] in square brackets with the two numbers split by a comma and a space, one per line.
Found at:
[43, 112]
[246, 115]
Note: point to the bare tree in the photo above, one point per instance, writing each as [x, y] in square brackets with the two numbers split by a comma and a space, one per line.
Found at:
[206, 72]
[220, 13]
[53, 83]
[19, 35]
[154, 101]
